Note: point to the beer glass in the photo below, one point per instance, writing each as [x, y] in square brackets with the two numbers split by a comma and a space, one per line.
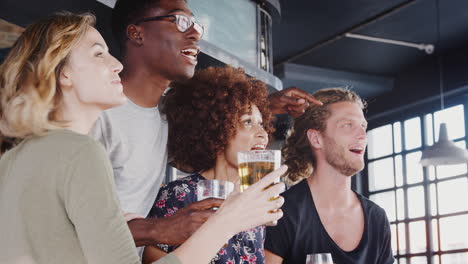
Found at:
[254, 165]
[320, 258]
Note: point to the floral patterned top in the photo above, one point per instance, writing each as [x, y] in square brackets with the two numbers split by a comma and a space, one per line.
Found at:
[245, 247]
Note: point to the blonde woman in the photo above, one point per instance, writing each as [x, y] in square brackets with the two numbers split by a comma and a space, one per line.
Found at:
[57, 199]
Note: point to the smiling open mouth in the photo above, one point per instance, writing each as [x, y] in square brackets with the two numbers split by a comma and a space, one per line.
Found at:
[190, 53]
[258, 147]
[357, 150]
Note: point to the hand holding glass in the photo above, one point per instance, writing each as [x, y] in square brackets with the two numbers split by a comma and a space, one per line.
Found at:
[254, 165]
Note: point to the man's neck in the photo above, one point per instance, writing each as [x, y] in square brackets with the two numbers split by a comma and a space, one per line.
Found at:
[330, 188]
[143, 88]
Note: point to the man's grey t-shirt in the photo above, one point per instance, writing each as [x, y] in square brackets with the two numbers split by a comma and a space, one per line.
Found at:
[135, 139]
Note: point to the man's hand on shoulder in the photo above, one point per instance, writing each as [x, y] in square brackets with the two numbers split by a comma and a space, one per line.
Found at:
[292, 101]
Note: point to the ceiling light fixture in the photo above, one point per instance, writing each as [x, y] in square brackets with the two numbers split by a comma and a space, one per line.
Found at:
[444, 152]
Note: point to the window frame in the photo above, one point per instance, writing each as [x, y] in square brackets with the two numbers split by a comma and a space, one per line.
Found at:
[363, 179]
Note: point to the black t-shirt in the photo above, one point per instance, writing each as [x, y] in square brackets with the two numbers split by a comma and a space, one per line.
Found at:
[300, 232]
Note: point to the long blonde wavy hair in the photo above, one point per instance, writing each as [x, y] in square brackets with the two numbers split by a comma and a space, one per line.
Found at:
[30, 94]
[297, 152]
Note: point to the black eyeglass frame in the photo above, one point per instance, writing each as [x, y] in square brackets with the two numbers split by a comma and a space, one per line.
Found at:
[161, 18]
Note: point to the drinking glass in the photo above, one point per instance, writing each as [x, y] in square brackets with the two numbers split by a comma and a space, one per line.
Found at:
[320, 258]
[254, 165]
[214, 188]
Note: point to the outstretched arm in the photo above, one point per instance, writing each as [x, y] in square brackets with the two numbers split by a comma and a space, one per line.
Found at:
[292, 101]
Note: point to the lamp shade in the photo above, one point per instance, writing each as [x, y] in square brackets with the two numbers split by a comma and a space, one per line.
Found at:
[444, 152]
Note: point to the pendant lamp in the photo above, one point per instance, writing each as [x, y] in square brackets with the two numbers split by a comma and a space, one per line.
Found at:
[443, 152]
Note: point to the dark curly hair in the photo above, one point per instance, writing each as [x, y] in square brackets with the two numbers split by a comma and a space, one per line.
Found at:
[204, 113]
[297, 152]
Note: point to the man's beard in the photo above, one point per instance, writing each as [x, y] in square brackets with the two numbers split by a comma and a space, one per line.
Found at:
[335, 156]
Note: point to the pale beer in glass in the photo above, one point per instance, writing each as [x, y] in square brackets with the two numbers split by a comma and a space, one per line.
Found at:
[254, 165]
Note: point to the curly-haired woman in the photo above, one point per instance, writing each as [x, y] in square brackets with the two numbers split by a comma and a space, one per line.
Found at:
[216, 114]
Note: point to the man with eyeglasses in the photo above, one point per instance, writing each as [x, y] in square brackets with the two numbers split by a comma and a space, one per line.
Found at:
[158, 40]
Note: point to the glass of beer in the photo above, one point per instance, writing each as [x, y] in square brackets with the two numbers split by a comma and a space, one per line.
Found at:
[214, 188]
[254, 165]
[320, 258]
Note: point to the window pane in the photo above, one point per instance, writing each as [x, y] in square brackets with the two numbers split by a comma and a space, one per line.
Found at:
[417, 236]
[458, 258]
[429, 130]
[381, 174]
[402, 261]
[402, 238]
[432, 189]
[380, 141]
[226, 29]
[452, 170]
[412, 133]
[386, 200]
[454, 118]
[436, 259]
[446, 171]
[394, 239]
[400, 204]
[418, 260]
[399, 170]
[435, 233]
[454, 232]
[397, 137]
[416, 202]
[414, 173]
[453, 196]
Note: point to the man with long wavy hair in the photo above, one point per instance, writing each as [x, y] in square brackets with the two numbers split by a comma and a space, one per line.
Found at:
[322, 213]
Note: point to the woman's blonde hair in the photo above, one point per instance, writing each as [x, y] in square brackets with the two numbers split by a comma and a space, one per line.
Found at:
[297, 152]
[30, 94]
